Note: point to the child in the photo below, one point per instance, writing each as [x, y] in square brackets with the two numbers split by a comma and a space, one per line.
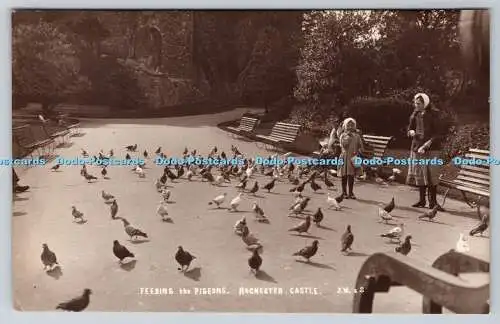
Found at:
[351, 145]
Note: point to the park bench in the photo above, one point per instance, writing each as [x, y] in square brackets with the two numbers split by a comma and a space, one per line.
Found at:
[247, 126]
[456, 281]
[472, 179]
[26, 140]
[374, 146]
[54, 130]
[282, 135]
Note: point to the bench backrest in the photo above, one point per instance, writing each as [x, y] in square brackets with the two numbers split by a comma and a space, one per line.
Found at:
[376, 145]
[475, 176]
[248, 124]
[22, 135]
[285, 132]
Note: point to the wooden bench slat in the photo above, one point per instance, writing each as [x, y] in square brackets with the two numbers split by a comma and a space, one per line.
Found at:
[475, 174]
[384, 138]
[471, 184]
[372, 142]
[484, 192]
[473, 180]
[479, 151]
[476, 156]
[477, 169]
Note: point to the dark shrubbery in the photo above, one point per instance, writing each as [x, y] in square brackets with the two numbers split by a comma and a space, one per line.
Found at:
[465, 137]
[114, 85]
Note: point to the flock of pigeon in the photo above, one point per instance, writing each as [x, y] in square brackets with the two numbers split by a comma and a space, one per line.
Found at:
[299, 178]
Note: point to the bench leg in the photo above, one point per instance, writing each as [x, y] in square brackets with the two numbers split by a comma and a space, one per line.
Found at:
[467, 201]
[444, 196]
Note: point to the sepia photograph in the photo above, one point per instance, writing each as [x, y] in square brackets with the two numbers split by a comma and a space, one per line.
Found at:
[286, 161]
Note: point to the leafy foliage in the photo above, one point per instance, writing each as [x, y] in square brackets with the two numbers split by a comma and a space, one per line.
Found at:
[44, 64]
[465, 137]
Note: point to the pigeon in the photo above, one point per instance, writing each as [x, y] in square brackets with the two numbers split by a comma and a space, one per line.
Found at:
[299, 206]
[106, 196]
[145, 154]
[327, 181]
[158, 185]
[249, 239]
[104, 172]
[77, 215]
[218, 200]
[249, 172]
[48, 257]
[242, 185]
[189, 175]
[165, 194]
[162, 212]
[131, 148]
[180, 172]
[83, 171]
[430, 215]
[184, 258]
[77, 304]
[113, 209]
[255, 261]
[395, 172]
[170, 174]
[462, 244]
[405, 247]
[309, 251]
[318, 217]
[255, 188]
[140, 172]
[111, 153]
[298, 188]
[235, 202]
[259, 213]
[390, 206]
[163, 179]
[89, 177]
[218, 180]
[302, 227]
[384, 216]
[269, 186]
[55, 167]
[481, 227]
[158, 151]
[120, 251]
[395, 233]
[84, 153]
[127, 157]
[314, 186]
[240, 224]
[347, 239]
[131, 231]
[334, 201]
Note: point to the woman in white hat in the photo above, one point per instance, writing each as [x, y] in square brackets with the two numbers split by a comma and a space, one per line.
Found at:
[425, 145]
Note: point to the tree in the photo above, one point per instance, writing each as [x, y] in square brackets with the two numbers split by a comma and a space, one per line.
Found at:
[44, 63]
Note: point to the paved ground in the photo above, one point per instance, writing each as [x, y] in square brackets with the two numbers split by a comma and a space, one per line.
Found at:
[43, 215]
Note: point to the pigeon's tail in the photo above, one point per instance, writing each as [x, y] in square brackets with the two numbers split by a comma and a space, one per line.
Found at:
[384, 235]
[139, 233]
[296, 253]
[292, 229]
[473, 231]
[131, 255]
[62, 306]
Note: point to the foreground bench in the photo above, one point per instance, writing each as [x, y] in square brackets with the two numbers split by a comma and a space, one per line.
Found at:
[472, 179]
[26, 140]
[283, 135]
[54, 130]
[440, 284]
[247, 126]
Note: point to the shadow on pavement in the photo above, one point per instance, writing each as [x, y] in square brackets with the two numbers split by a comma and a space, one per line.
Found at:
[193, 274]
[129, 266]
[17, 198]
[138, 241]
[359, 254]
[308, 236]
[316, 264]
[327, 228]
[262, 275]
[19, 213]
[55, 273]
